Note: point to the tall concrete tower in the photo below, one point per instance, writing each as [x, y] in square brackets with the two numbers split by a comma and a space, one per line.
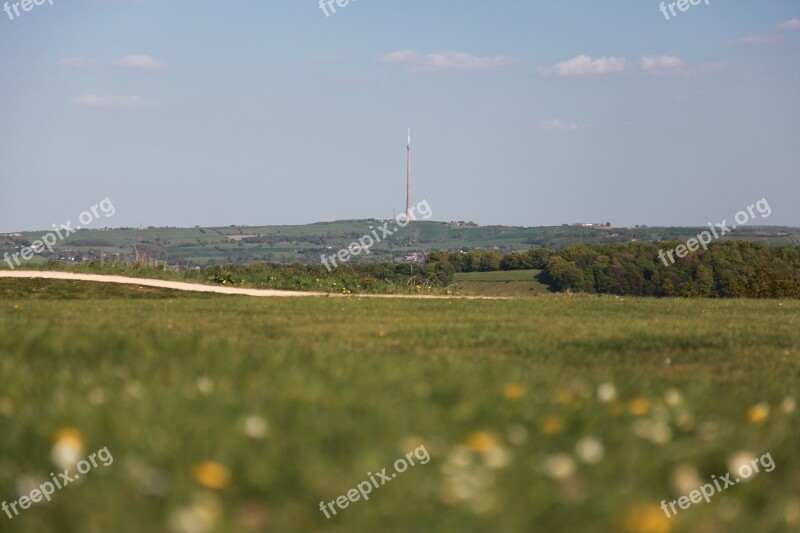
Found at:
[409, 213]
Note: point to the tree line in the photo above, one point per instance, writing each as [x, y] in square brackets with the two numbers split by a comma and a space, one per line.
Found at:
[733, 269]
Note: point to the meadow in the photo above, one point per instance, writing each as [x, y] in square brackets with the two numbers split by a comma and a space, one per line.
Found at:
[505, 283]
[551, 413]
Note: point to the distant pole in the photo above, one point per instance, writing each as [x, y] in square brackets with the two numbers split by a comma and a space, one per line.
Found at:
[409, 213]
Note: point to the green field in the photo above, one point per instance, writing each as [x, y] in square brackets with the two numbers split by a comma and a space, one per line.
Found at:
[556, 413]
[505, 283]
[499, 276]
[189, 247]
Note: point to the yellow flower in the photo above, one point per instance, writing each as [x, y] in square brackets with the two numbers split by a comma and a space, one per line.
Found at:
[514, 391]
[69, 446]
[639, 407]
[758, 413]
[481, 441]
[69, 437]
[646, 519]
[552, 425]
[212, 475]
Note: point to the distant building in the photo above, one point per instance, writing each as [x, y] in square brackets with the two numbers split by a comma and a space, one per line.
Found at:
[591, 225]
[413, 257]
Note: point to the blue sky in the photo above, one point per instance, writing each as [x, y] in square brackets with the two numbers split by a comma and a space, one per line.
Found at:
[523, 112]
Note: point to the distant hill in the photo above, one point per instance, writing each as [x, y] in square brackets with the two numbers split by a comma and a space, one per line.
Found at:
[306, 243]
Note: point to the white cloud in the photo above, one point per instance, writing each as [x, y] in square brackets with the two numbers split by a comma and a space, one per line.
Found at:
[793, 24]
[673, 66]
[107, 102]
[401, 56]
[140, 62]
[662, 65]
[446, 62]
[556, 124]
[583, 65]
[76, 63]
[758, 39]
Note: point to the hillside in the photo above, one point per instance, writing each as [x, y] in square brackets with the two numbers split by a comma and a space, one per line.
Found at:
[200, 246]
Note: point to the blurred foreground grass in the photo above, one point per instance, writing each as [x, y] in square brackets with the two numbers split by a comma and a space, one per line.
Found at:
[549, 414]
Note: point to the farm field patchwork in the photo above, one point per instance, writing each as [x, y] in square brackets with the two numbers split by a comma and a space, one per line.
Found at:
[305, 243]
[554, 413]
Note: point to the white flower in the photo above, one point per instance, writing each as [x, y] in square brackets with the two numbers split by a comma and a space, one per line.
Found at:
[497, 458]
[673, 398]
[199, 517]
[590, 450]
[740, 464]
[256, 427]
[69, 448]
[788, 405]
[205, 385]
[559, 466]
[606, 392]
[685, 479]
[655, 432]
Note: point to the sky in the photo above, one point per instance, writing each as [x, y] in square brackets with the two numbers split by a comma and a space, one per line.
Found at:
[523, 112]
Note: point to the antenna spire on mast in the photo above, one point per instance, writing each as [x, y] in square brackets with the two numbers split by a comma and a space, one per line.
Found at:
[409, 211]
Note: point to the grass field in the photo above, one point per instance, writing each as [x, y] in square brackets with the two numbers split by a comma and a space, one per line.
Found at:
[237, 414]
[510, 283]
[503, 275]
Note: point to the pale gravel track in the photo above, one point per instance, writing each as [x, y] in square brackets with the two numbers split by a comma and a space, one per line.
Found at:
[196, 287]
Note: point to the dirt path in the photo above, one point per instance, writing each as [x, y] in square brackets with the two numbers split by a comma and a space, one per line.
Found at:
[183, 286]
